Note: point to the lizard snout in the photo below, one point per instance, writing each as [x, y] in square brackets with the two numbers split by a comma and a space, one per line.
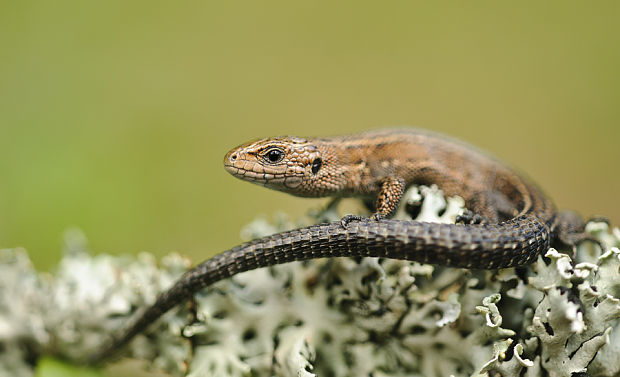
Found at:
[233, 162]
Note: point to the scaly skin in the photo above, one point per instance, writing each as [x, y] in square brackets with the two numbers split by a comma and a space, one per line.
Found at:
[382, 164]
[511, 222]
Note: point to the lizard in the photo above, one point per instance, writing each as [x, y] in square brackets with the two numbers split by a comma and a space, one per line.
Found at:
[509, 221]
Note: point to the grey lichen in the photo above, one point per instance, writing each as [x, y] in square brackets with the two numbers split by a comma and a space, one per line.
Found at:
[66, 315]
[341, 317]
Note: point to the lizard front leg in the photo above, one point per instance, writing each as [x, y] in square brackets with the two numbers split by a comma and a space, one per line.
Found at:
[388, 199]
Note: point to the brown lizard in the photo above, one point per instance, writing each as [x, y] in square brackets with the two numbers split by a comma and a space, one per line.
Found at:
[511, 222]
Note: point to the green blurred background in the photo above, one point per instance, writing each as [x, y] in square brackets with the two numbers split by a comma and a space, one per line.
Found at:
[115, 116]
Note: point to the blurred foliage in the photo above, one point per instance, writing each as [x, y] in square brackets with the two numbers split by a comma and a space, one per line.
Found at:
[115, 116]
[49, 367]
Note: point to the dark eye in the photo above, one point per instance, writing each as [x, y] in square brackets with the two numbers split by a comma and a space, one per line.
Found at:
[274, 155]
[316, 165]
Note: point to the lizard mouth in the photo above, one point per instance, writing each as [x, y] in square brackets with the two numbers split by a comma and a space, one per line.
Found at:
[233, 170]
[230, 167]
[244, 170]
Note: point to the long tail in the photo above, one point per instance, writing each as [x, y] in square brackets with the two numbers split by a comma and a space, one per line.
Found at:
[512, 243]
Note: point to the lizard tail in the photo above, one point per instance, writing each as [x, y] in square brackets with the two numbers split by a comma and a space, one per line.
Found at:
[515, 242]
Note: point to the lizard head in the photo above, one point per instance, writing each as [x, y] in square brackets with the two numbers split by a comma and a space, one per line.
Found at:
[287, 163]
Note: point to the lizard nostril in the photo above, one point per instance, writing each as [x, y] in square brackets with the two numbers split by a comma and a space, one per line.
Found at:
[233, 157]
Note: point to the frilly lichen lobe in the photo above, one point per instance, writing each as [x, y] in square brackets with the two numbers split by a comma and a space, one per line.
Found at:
[344, 317]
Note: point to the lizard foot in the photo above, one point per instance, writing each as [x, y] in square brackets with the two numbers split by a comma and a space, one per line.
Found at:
[377, 216]
[468, 217]
[572, 240]
[349, 218]
[570, 231]
[598, 219]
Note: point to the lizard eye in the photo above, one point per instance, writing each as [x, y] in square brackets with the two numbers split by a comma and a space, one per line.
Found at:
[274, 155]
[316, 165]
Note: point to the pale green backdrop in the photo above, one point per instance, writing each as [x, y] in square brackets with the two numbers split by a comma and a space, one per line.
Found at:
[115, 116]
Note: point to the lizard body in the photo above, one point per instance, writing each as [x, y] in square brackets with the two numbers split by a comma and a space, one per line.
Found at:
[512, 222]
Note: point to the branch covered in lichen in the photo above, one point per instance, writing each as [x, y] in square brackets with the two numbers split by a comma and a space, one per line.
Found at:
[344, 317]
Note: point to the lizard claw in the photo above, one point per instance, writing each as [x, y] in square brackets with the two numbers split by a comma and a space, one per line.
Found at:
[598, 219]
[468, 217]
[348, 218]
[573, 240]
[377, 217]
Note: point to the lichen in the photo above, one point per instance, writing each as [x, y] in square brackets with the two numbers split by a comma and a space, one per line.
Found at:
[341, 317]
